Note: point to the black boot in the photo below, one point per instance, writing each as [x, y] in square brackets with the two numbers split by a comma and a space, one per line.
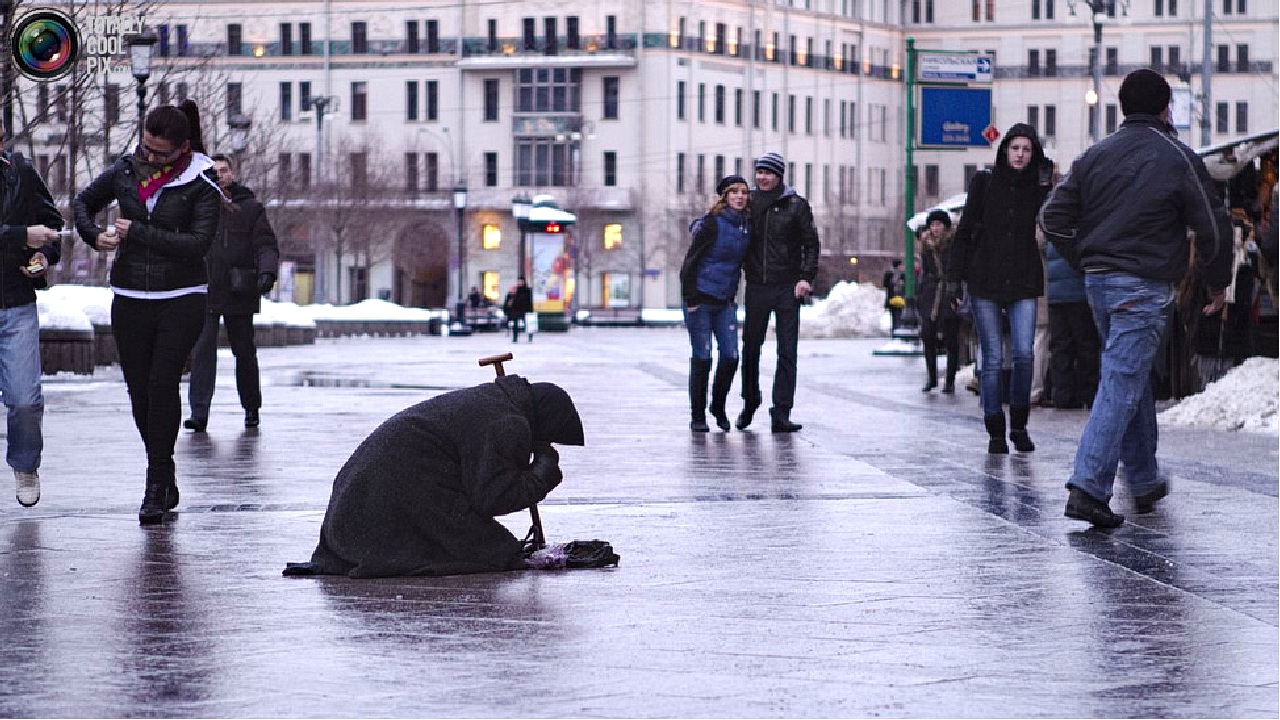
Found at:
[720, 390]
[699, 374]
[931, 371]
[949, 387]
[161, 494]
[782, 421]
[1018, 429]
[995, 429]
[750, 397]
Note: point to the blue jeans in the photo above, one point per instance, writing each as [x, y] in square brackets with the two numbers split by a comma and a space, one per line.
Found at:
[1022, 339]
[707, 321]
[20, 383]
[1130, 314]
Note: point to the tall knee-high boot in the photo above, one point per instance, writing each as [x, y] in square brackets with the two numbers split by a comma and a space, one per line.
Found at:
[996, 445]
[1018, 429]
[949, 386]
[699, 374]
[725, 371]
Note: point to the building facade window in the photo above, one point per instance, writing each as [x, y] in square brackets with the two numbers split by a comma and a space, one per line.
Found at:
[738, 96]
[1223, 118]
[719, 105]
[491, 169]
[235, 42]
[491, 87]
[359, 37]
[432, 101]
[610, 90]
[304, 38]
[286, 101]
[286, 38]
[411, 101]
[680, 111]
[234, 99]
[1242, 117]
[610, 162]
[411, 179]
[1050, 121]
[359, 101]
[433, 36]
[431, 172]
[543, 162]
[932, 184]
[679, 173]
[545, 90]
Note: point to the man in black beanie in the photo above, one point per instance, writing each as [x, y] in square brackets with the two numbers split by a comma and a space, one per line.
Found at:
[1121, 217]
[781, 263]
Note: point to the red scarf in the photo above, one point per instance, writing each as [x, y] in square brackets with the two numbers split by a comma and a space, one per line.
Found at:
[155, 178]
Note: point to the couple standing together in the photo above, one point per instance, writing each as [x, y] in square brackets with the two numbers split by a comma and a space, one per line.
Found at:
[768, 233]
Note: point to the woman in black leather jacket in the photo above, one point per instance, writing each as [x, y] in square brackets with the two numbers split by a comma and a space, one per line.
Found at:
[168, 216]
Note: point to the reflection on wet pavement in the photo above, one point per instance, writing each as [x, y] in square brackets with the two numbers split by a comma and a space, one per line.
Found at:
[880, 562]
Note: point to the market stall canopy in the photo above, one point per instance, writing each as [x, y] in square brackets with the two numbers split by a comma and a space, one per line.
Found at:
[1225, 159]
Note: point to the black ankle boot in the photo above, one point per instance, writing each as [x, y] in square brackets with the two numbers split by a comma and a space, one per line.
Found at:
[720, 391]
[160, 495]
[1018, 429]
[699, 374]
[995, 430]
[782, 421]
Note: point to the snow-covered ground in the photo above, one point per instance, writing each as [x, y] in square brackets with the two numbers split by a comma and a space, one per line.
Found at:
[1246, 398]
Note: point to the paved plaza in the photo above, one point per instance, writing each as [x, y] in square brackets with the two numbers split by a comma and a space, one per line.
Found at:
[877, 564]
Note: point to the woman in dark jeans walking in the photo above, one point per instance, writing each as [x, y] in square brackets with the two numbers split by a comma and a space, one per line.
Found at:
[168, 216]
[709, 279]
[996, 253]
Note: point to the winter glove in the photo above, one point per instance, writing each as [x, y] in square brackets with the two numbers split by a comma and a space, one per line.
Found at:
[266, 281]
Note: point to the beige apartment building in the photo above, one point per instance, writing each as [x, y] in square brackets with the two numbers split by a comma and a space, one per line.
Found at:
[368, 115]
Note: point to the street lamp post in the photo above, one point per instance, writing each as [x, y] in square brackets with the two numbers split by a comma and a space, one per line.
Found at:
[520, 206]
[1098, 12]
[140, 47]
[460, 205]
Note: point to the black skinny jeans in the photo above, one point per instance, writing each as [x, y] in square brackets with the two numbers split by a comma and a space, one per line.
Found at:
[781, 301]
[153, 339]
[204, 363]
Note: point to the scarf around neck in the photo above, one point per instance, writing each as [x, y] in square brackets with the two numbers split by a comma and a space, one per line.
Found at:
[153, 177]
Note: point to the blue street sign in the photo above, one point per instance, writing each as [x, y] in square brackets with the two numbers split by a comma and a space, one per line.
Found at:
[954, 116]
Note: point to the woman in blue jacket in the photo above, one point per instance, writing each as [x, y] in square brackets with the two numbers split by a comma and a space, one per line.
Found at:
[708, 285]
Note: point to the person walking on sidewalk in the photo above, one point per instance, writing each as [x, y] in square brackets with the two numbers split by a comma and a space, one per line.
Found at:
[781, 263]
[709, 279]
[517, 305]
[169, 204]
[29, 244]
[996, 253]
[1073, 339]
[937, 317]
[242, 264]
[1121, 216]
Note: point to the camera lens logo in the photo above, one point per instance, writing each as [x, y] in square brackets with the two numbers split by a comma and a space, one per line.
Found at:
[45, 44]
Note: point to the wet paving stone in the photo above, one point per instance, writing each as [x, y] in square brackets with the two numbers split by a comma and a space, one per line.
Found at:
[877, 564]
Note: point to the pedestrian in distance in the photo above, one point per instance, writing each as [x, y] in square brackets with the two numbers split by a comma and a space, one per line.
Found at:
[709, 278]
[420, 495]
[518, 304]
[781, 264]
[169, 205]
[938, 319]
[996, 254]
[895, 290]
[1074, 348]
[1121, 217]
[29, 244]
[242, 263]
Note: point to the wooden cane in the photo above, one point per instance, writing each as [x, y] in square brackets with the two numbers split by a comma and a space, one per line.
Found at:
[539, 540]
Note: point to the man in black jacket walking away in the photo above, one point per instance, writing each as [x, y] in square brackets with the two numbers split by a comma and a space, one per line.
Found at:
[1121, 216]
[781, 263]
[243, 263]
[28, 246]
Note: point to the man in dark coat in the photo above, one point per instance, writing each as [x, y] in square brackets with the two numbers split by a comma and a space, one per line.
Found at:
[780, 266]
[518, 303]
[243, 263]
[420, 494]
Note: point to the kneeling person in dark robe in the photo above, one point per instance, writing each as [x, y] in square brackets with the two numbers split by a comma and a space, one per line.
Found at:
[420, 494]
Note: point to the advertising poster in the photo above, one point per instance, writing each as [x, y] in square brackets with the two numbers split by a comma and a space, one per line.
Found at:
[550, 265]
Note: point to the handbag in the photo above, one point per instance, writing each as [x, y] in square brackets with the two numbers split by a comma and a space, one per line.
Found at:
[244, 280]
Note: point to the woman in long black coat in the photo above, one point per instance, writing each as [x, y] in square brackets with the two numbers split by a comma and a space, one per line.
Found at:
[420, 494]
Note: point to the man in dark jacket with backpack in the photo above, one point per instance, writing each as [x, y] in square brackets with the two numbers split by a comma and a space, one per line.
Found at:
[243, 262]
[781, 263]
[29, 224]
[1121, 216]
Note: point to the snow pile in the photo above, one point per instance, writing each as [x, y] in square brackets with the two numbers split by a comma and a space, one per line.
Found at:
[370, 310]
[849, 310]
[1244, 399]
[74, 307]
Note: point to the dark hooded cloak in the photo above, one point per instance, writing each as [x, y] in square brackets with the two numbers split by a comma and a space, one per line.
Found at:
[420, 494]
